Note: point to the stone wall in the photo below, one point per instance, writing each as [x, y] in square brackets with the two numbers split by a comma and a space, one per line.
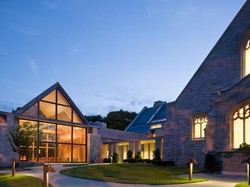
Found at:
[6, 153]
[232, 163]
[221, 69]
[94, 148]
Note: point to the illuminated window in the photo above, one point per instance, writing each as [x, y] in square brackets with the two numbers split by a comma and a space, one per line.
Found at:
[57, 142]
[246, 59]
[241, 126]
[199, 124]
[155, 126]
[54, 106]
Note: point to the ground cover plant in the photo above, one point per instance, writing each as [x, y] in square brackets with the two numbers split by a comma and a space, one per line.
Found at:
[19, 180]
[138, 173]
[242, 184]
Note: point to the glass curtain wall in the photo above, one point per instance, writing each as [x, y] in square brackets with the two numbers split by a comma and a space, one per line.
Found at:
[58, 142]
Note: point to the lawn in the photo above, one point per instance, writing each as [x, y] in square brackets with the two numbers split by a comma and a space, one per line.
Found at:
[132, 173]
[19, 180]
[242, 184]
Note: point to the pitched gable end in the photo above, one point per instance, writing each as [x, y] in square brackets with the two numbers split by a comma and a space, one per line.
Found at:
[222, 67]
[54, 103]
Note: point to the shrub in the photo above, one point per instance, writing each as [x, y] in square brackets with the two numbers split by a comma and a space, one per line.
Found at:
[157, 157]
[139, 160]
[138, 155]
[168, 163]
[157, 154]
[129, 154]
[148, 161]
[157, 162]
[115, 157]
[107, 160]
[244, 148]
[130, 160]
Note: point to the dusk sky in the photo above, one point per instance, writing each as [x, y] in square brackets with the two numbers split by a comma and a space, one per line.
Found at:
[107, 54]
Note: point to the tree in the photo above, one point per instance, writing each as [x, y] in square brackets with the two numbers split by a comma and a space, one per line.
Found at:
[21, 137]
[119, 119]
[94, 118]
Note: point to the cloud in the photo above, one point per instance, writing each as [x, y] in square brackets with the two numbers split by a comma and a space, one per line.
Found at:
[33, 66]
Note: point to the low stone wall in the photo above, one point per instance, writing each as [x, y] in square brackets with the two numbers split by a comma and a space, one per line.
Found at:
[232, 163]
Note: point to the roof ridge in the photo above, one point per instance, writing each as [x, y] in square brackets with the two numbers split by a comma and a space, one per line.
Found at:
[134, 120]
[58, 86]
[155, 113]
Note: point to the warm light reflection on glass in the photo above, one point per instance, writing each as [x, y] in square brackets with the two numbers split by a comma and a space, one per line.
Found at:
[155, 126]
[241, 126]
[55, 142]
[247, 58]
[49, 108]
[199, 126]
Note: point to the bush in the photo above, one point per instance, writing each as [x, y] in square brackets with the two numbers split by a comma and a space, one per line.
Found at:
[129, 154]
[138, 155]
[157, 161]
[148, 161]
[244, 148]
[115, 157]
[157, 154]
[139, 160]
[168, 163]
[130, 160]
[107, 160]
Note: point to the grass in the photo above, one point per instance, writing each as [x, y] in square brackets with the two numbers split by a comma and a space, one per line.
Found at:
[242, 184]
[132, 174]
[19, 180]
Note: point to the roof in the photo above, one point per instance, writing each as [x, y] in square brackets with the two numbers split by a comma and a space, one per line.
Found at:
[57, 85]
[147, 117]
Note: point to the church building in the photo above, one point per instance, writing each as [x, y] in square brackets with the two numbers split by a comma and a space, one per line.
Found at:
[211, 116]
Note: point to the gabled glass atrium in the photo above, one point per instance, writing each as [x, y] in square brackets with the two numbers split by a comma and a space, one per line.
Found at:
[62, 133]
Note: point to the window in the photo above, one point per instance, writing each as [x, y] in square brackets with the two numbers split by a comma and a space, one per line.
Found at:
[246, 58]
[3, 120]
[58, 142]
[199, 124]
[241, 126]
[54, 106]
[155, 126]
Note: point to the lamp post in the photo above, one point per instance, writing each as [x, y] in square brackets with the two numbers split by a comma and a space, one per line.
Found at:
[192, 161]
[46, 170]
[13, 168]
[247, 162]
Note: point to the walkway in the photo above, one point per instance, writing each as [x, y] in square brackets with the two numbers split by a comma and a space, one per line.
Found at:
[58, 180]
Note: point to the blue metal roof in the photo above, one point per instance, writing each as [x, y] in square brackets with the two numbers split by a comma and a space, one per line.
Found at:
[147, 117]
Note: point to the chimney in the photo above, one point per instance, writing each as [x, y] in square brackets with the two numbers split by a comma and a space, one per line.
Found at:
[158, 103]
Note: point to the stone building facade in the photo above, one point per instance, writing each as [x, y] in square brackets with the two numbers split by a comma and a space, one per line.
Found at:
[218, 91]
[210, 116]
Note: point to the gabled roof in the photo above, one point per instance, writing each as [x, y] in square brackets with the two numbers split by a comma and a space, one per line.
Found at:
[19, 112]
[147, 117]
[221, 59]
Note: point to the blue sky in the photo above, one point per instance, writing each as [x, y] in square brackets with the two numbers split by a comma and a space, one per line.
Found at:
[107, 54]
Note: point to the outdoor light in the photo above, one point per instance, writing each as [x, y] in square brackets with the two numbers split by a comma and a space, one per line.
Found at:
[46, 170]
[191, 162]
[247, 162]
[13, 166]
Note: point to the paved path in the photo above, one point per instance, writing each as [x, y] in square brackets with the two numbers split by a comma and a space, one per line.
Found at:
[58, 180]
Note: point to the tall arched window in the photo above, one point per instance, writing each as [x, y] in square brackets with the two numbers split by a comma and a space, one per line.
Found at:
[246, 58]
[241, 126]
